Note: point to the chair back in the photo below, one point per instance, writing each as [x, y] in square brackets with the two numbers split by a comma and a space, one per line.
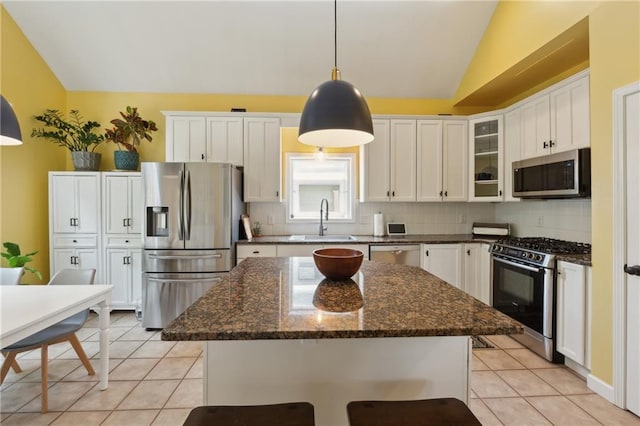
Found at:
[73, 276]
[10, 276]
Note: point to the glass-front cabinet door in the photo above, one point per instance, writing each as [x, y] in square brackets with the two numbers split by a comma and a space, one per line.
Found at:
[485, 159]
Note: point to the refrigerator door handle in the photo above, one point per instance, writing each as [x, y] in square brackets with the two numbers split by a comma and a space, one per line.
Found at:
[187, 207]
[181, 236]
[185, 280]
[190, 256]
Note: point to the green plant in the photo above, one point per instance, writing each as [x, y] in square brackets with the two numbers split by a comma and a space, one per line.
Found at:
[256, 229]
[18, 260]
[130, 130]
[74, 134]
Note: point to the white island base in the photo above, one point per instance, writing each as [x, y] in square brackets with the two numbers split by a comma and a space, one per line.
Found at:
[329, 373]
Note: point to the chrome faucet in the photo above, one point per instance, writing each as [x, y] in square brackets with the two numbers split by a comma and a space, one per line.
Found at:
[323, 228]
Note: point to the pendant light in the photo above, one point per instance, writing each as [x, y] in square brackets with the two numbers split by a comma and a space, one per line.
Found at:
[336, 114]
[9, 127]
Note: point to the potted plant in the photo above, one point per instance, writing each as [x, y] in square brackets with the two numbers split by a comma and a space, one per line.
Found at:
[128, 132]
[74, 134]
[17, 260]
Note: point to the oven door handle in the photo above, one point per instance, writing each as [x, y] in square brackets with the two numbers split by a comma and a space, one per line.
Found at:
[519, 265]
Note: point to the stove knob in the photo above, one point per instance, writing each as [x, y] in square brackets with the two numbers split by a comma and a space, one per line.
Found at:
[539, 258]
[524, 254]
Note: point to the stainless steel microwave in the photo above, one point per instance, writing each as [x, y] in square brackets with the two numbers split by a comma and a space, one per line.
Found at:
[561, 175]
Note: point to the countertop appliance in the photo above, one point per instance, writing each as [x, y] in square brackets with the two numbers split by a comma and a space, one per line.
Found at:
[191, 223]
[405, 254]
[561, 175]
[523, 275]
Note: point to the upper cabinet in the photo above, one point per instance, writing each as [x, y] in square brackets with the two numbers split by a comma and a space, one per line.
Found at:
[389, 162]
[74, 202]
[442, 160]
[262, 179]
[485, 159]
[512, 135]
[224, 140]
[557, 120]
[123, 203]
[186, 138]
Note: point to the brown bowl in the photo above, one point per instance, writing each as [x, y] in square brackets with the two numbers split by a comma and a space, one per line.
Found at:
[338, 264]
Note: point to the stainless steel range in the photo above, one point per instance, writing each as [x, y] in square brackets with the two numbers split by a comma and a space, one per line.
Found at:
[523, 271]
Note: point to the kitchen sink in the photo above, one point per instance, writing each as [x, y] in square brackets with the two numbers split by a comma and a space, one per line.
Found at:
[322, 238]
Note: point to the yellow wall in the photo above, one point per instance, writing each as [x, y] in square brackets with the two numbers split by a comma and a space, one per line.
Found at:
[28, 83]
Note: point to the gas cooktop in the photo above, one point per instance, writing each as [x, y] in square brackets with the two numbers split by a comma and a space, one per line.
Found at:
[547, 245]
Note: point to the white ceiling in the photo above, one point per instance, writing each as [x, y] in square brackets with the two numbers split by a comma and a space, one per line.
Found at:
[405, 49]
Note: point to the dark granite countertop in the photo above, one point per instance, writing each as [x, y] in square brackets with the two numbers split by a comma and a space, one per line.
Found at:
[368, 239]
[580, 259]
[278, 298]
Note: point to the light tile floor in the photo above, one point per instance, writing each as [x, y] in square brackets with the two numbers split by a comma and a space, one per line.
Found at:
[152, 382]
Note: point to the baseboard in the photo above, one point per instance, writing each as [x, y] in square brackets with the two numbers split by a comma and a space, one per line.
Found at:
[579, 369]
[603, 389]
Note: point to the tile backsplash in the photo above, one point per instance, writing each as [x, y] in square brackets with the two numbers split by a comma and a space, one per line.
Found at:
[562, 219]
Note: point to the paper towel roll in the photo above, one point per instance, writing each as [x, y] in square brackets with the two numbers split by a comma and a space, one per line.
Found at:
[378, 225]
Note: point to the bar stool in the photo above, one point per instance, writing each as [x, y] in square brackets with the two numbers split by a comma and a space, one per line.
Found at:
[288, 414]
[440, 411]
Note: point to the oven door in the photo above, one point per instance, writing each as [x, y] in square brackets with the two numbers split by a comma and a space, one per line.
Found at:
[525, 293]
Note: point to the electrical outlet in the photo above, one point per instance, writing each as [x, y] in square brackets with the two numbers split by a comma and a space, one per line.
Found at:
[270, 220]
[461, 218]
[540, 221]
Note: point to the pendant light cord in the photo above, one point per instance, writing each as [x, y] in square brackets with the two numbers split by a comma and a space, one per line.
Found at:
[335, 33]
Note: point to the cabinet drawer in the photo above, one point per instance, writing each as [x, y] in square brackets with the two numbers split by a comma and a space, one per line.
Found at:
[256, 250]
[134, 241]
[70, 241]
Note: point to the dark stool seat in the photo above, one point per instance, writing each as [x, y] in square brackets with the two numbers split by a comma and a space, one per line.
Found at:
[289, 414]
[440, 411]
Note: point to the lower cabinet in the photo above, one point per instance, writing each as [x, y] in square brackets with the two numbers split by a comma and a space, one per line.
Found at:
[123, 267]
[289, 250]
[75, 258]
[573, 312]
[254, 250]
[444, 261]
[477, 271]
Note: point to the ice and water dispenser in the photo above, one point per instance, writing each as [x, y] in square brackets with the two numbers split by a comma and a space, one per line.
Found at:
[157, 221]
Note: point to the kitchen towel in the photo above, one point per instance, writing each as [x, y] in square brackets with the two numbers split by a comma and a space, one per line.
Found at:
[378, 225]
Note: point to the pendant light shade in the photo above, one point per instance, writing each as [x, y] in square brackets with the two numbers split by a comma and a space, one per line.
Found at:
[9, 127]
[336, 114]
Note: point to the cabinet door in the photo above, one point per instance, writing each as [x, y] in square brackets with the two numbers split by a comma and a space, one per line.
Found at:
[224, 140]
[262, 160]
[116, 209]
[485, 159]
[290, 250]
[88, 202]
[186, 139]
[444, 261]
[375, 164]
[570, 125]
[429, 155]
[477, 271]
[402, 158]
[512, 144]
[62, 203]
[535, 127]
[454, 160]
[571, 311]
[117, 274]
[62, 259]
[136, 207]
[135, 271]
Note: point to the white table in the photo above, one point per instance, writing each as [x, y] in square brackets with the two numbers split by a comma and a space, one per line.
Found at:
[27, 309]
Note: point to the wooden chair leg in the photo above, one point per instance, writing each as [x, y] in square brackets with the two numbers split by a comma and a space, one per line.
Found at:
[77, 346]
[14, 364]
[6, 364]
[44, 363]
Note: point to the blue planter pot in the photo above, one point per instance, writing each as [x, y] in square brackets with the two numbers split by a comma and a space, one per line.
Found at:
[126, 160]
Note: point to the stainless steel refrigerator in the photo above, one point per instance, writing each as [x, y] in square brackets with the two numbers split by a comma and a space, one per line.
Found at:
[191, 223]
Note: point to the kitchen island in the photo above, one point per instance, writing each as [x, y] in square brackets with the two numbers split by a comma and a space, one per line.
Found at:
[277, 332]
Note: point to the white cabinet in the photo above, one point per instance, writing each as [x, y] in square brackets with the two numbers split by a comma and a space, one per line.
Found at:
[557, 120]
[388, 163]
[186, 138]
[291, 250]
[74, 221]
[225, 140]
[262, 160]
[123, 270]
[477, 271]
[512, 137]
[485, 159]
[122, 207]
[442, 160]
[74, 202]
[444, 261]
[573, 312]
[254, 250]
